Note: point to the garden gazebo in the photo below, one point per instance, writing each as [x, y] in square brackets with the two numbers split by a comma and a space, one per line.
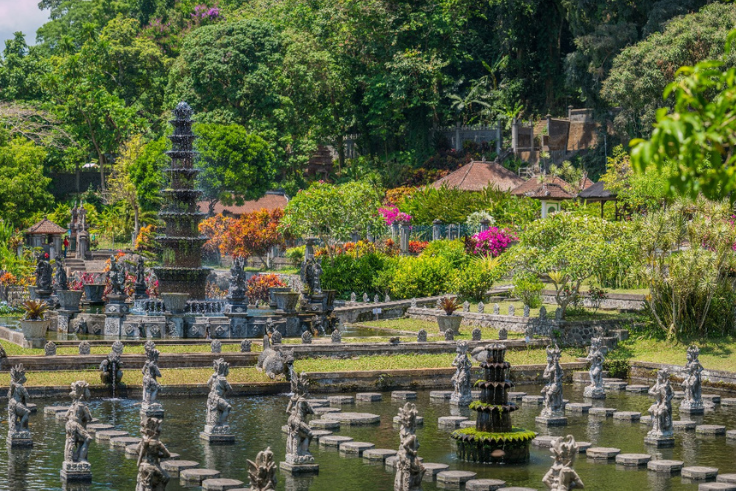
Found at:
[47, 235]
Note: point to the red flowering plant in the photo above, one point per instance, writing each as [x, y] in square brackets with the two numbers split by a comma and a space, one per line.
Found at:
[256, 288]
[491, 242]
[417, 246]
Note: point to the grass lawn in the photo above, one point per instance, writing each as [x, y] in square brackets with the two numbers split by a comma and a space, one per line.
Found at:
[715, 355]
[433, 331]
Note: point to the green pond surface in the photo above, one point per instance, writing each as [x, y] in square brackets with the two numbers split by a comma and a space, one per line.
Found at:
[257, 421]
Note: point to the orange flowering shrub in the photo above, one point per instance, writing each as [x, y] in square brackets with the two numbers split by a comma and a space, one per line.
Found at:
[215, 228]
[253, 234]
[256, 288]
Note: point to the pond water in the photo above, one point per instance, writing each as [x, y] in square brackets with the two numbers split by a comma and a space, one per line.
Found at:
[257, 423]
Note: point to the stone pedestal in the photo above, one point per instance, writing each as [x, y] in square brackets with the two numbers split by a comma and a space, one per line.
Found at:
[217, 434]
[551, 420]
[293, 326]
[594, 392]
[153, 410]
[692, 408]
[659, 441]
[294, 469]
[174, 325]
[115, 312]
[237, 315]
[44, 295]
[20, 439]
[76, 471]
[63, 320]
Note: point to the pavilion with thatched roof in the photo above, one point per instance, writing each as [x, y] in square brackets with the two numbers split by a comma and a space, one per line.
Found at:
[478, 175]
[47, 235]
[551, 191]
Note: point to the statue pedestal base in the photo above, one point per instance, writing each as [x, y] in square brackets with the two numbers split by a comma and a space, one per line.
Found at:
[115, 312]
[691, 409]
[461, 401]
[76, 471]
[20, 439]
[659, 441]
[154, 410]
[551, 420]
[217, 434]
[299, 468]
[594, 393]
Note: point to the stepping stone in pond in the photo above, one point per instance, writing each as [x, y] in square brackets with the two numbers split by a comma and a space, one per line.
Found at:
[341, 400]
[678, 394]
[516, 488]
[602, 453]
[716, 486]
[713, 398]
[420, 420]
[391, 461]
[615, 385]
[578, 407]
[355, 448]
[318, 402]
[53, 410]
[317, 434]
[584, 446]
[432, 469]
[368, 396]
[669, 466]
[606, 412]
[731, 434]
[728, 401]
[684, 425]
[324, 424]
[378, 454]
[641, 389]
[467, 424]
[123, 441]
[710, 430]
[354, 419]
[106, 435]
[627, 415]
[484, 484]
[196, 476]
[455, 479]
[516, 396]
[726, 478]
[221, 484]
[545, 441]
[33, 408]
[699, 473]
[132, 450]
[532, 400]
[450, 421]
[175, 466]
[334, 440]
[633, 459]
[403, 395]
[326, 410]
[645, 420]
[93, 428]
[440, 395]
[612, 379]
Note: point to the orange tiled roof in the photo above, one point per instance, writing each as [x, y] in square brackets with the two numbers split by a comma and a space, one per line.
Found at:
[478, 175]
[551, 188]
[269, 201]
[46, 227]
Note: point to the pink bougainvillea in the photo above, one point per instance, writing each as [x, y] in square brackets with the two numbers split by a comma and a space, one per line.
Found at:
[492, 242]
[391, 215]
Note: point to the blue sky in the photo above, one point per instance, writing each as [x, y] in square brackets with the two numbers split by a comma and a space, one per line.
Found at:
[20, 15]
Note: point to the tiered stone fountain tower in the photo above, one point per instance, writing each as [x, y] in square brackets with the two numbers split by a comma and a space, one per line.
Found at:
[181, 243]
[493, 439]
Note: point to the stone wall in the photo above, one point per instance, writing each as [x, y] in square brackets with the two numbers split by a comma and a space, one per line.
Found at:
[361, 312]
[713, 379]
[615, 301]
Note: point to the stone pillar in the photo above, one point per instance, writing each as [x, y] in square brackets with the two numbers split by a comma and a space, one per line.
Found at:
[115, 312]
[309, 249]
[436, 229]
[514, 136]
[394, 231]
[369, 234]
[82, 244]
[498, 139]
[485, 224]
[404, 238]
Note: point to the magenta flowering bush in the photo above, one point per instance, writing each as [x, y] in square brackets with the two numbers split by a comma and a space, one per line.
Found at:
[391, 215]
[492, 242]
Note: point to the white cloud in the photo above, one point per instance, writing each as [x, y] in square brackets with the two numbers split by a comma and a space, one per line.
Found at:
[20, 15]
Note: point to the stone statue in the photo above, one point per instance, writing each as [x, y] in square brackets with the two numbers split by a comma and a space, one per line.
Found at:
[151, 477]
[85, 348]
[116, 275]
[693, 401]
[300, 434]
[553, 411]
[245, 346]
[43, 274]
[365, 298]
[140, 279]
[661, 411]
[461, 395]
[60, 279]
[317, 276]
[386, 298]
[18, 433]
[237, 278]
[561, 476]
[306, 273]
[422, 336]
[353, 297]
[274, 363]
[409, 471]
[218, 409]
[262, 472]
[111, 368]
[151, 385]
[336, 337]
[75, 466]
[596, 358]
[307, 337]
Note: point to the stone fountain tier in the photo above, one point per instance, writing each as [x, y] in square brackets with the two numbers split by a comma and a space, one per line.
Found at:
[494, 439]
[183, 280]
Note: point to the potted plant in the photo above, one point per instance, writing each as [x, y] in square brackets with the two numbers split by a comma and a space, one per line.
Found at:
[34, 323]
[69, 299]
[449, 321]
[93, 290]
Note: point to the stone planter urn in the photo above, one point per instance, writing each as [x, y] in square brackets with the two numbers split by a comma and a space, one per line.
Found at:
[176, 303]
[286, 301]
[69, 299]
[271, 291]
[34, 332]
[449, 322]
[94, 292]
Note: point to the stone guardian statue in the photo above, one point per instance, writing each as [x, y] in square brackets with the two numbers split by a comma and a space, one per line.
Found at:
[216, 429]
[561, 476]
[299, 436]
[151, 386]
[75, 466]
[409, 471]
[461, 395]
[151, 477]
[661, 433]
[553, 413]
[596, 358]
[693, 401]
[262, 472]
[18, 413]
